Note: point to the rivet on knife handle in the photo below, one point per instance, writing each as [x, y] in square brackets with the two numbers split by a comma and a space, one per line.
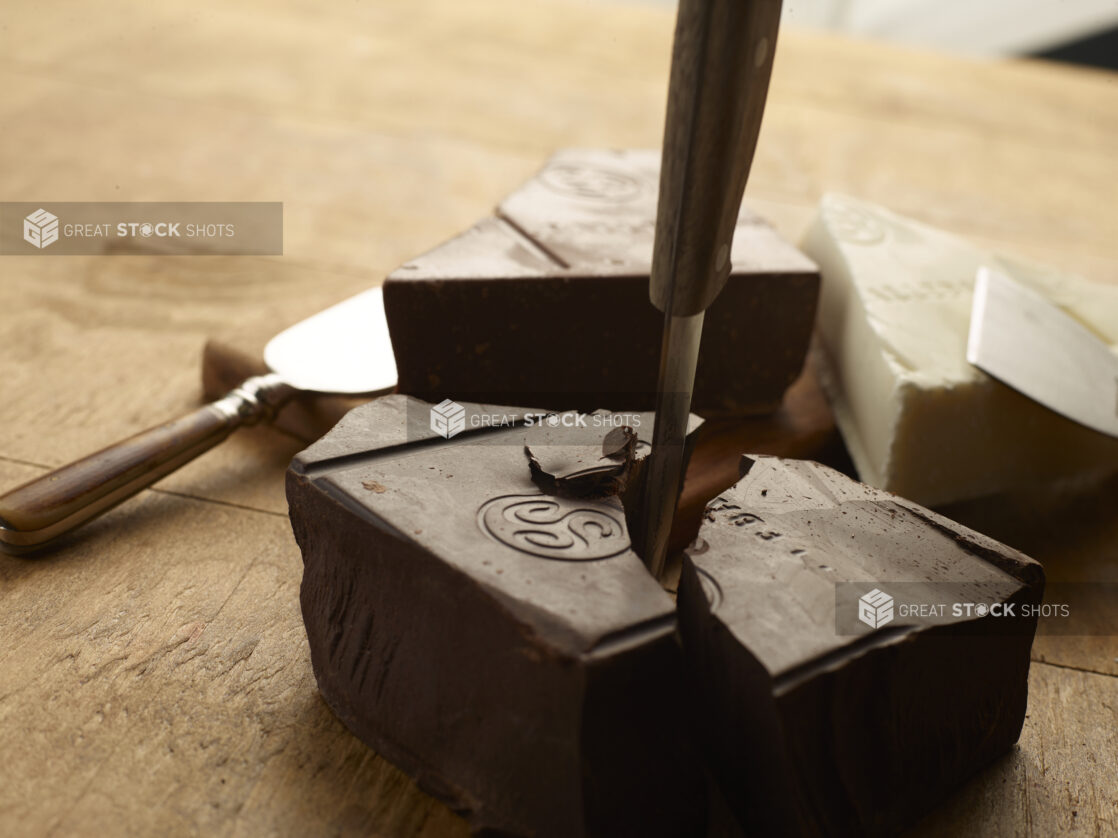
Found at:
[721, 63]
[37, 512]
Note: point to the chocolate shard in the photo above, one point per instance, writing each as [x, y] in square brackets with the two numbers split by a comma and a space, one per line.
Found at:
[600, 481]
[504, 646]
[547, 303]
[814, 722]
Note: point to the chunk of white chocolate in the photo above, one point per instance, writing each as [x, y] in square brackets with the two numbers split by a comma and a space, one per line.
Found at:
[917, 418]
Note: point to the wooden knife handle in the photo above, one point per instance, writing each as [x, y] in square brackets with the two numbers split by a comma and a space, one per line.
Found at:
[37, 512]
[721, 62]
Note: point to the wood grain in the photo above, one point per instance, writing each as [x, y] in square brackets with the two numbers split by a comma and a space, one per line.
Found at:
[162, 672]
[1060, 778]
[386, 128]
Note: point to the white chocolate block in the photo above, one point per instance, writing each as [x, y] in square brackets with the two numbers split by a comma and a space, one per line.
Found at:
[918, 419]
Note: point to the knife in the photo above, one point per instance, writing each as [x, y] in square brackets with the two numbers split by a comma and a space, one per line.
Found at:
[343, 349]
[721, 62]
[1024, 340]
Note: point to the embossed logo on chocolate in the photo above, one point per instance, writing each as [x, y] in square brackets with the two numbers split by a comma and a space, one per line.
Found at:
[554, 528]
[854, 224]
[590, 182]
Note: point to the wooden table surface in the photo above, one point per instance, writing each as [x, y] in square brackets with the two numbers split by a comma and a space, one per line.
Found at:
[154, 674]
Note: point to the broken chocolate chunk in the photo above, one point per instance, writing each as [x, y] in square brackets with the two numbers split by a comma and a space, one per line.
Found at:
[547, 303]
[832, 699]
[504, 646]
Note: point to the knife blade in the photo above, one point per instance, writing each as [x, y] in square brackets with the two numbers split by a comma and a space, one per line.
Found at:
[721, 62]
[1027, 342]
[342, 349]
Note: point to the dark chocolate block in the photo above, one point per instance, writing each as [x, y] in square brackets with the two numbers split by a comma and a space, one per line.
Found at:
[505, 647]
[547, 303]
[815, 732]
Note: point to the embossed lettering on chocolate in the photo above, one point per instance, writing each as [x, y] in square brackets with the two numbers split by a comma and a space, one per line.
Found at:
[505, 647]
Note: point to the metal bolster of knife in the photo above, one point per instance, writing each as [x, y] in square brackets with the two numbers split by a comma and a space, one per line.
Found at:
[256, 399]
